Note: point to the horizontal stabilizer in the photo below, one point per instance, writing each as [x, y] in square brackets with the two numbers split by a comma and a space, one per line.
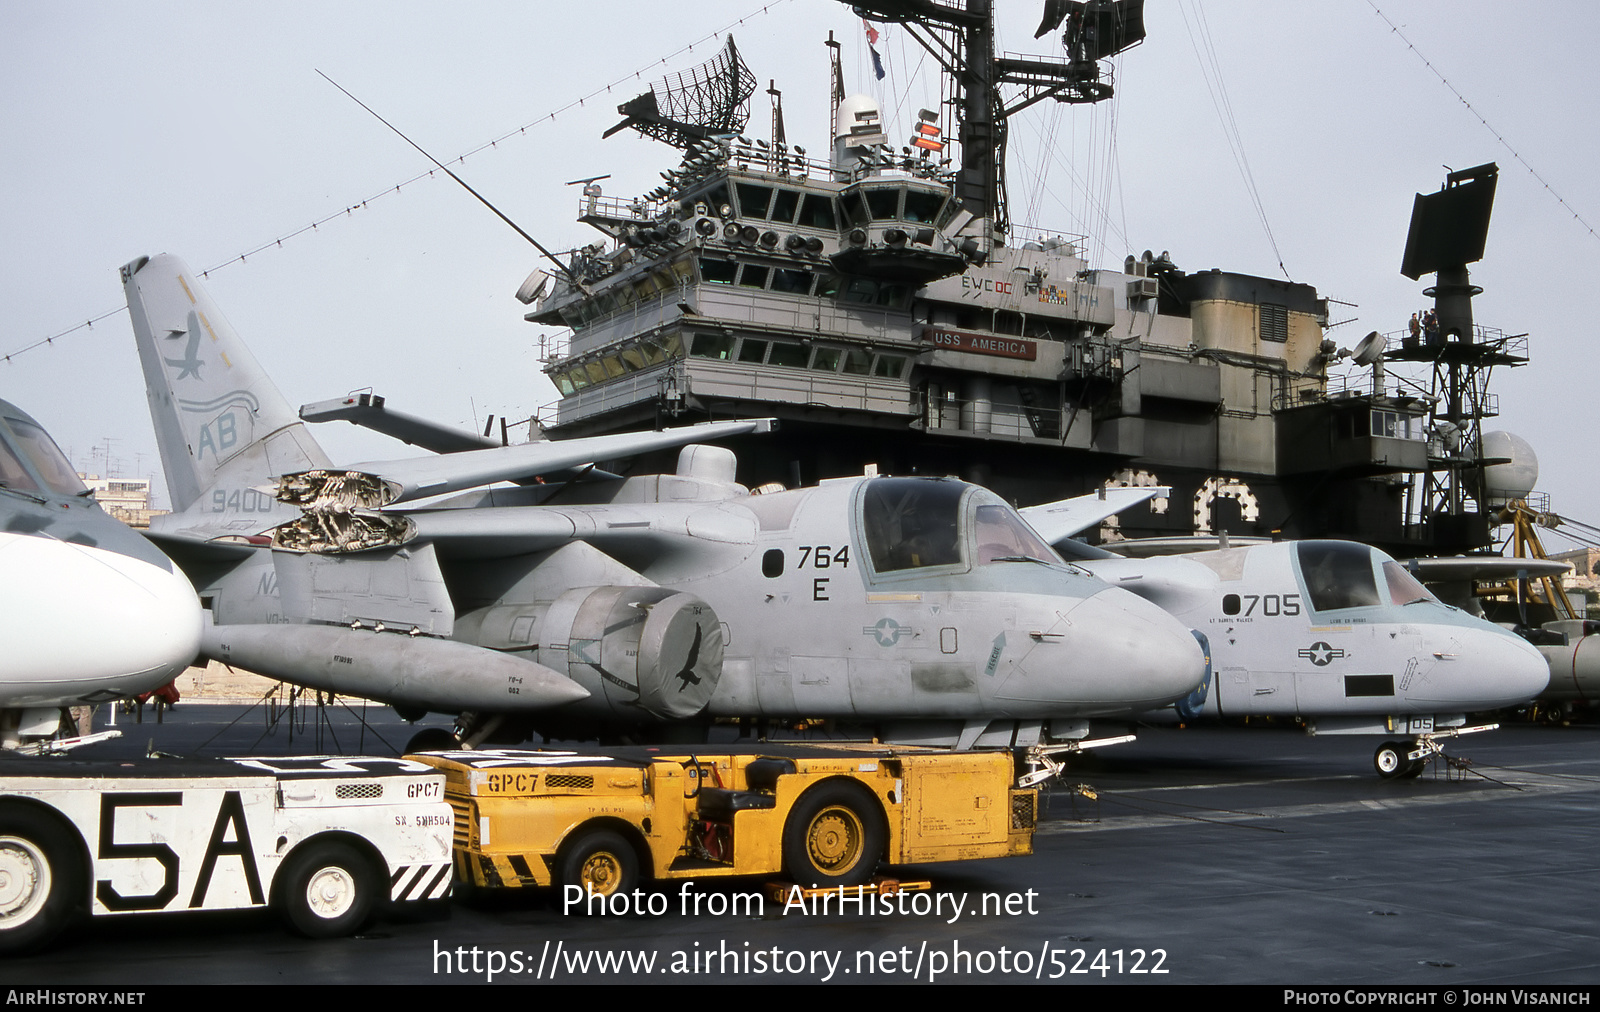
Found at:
[1058, 521]
[369, 411]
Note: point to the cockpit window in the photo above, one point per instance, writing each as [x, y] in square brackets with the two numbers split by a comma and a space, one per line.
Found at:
[47, 458]
[912, 523]
[1338, 575]
[1003, 537]
[12, 473]
[1403, 587]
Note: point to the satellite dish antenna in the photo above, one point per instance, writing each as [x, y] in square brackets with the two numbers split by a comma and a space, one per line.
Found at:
[1370, 349]
[532, 288]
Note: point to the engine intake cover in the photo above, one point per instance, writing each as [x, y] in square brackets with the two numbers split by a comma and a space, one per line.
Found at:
[637, 648]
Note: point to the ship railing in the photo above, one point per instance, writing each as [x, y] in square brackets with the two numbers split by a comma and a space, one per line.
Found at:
[635, 209]
[1512, 345]
[1069, 243]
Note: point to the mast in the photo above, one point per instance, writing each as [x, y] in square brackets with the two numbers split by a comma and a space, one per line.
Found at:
[959, 34]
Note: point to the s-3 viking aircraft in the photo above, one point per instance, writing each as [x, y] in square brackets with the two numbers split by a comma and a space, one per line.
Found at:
[924, 608]
[1335, 632]
[89, 610]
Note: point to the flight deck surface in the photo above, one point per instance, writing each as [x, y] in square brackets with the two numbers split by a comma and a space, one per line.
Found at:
[1238, 855]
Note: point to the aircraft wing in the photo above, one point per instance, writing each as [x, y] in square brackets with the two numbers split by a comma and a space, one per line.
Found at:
[1484, 567]
[1058, 521]
[398, 481]
[516, 530]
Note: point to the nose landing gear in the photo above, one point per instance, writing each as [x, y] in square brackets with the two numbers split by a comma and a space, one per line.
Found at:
[1400, 760]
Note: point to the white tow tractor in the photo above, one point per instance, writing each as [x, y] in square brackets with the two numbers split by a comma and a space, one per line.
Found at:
[323, 840]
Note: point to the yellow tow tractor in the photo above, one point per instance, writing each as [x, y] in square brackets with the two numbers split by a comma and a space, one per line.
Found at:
[825, 816]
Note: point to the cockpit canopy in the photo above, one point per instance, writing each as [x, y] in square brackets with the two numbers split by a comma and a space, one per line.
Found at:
[919, 523]
[30, 461]
[1341, 574]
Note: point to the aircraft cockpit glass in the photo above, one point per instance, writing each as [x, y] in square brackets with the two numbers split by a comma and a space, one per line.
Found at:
[12, 473]
[1338, 574]
[1403, 587]
[48, 461]
[1002, 536]
[912, 523]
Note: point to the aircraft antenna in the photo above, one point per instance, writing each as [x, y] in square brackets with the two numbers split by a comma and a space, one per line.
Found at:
[481, 199]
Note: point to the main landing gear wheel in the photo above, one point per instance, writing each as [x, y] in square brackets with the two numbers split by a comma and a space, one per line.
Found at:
[39, 879]
[1393, 763]
[833, 837]
[328, 890]
[601, 862]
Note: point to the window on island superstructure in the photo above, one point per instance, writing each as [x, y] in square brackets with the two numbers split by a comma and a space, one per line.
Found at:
[922, 207]
[855, 209]
[884, 204]
[718, 272]
[633, 358]
[862, 290]
[827, 359]
[753, 200]
[784, 204]
[791, 282]
[871, 293]
[752, 276]
[817, 212]
[788, 354]
[714, 346]
[857, 362]
[889, 366]
[752, 350]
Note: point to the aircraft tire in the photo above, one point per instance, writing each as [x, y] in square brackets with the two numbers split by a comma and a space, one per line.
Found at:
[327, 890]
[1415, 769]
[41, 881]
[1390, 760]
[599, 861]
[834, 836]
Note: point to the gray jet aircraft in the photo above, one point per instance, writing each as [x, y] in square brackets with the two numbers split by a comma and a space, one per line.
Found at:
[924, 608]
[1334, 632]
[89, 610]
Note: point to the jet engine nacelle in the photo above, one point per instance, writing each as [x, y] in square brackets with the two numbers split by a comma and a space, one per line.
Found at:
[635, 648]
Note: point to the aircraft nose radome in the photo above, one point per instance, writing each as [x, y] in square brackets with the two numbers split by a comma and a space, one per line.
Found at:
[1490, 668]
[74, 615]
[1134, 652]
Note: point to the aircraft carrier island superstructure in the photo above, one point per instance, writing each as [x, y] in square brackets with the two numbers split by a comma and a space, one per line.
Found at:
[881, 304]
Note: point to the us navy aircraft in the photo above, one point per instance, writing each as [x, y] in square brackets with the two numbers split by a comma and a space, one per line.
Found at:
[922, 607]
[1335, 632]
[89, 610]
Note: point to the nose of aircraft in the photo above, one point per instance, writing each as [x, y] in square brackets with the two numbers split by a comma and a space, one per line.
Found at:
[76, 620]
[1117, 653]
[1483, 669]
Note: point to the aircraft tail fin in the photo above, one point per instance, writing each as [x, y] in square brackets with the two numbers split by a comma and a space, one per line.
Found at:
[222, 426]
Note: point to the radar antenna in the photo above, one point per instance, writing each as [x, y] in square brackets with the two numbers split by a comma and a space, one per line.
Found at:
[708, 100]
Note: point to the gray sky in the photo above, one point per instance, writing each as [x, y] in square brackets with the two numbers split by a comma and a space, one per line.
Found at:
[203, 130]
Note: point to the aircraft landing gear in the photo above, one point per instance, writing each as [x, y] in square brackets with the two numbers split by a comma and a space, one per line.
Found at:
[1042, 761]
[1393, 761]
[1399, 760]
